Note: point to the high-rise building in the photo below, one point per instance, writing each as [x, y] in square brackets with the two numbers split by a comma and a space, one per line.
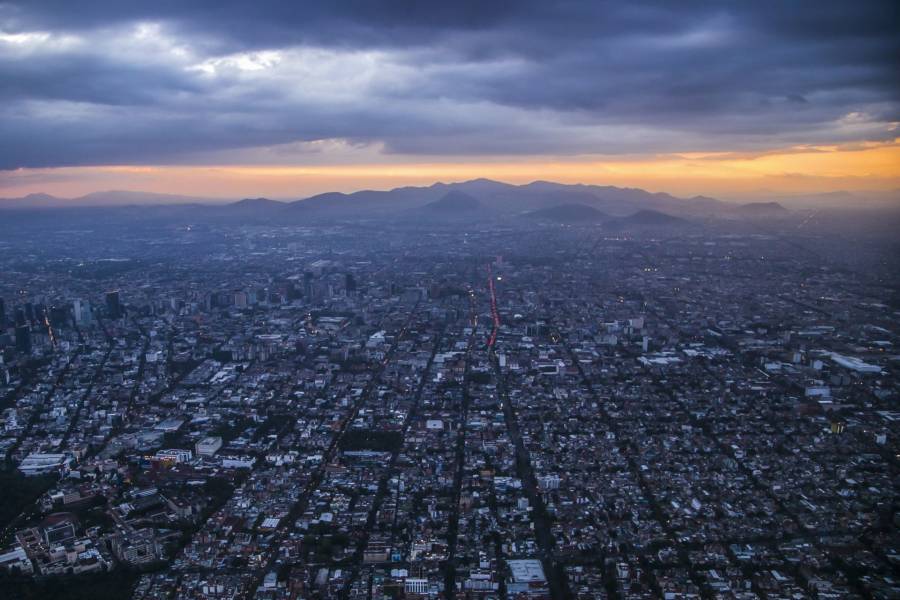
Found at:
[23, 339]
[82, 310]
[2, 313]
[113, 305]
[59, 317]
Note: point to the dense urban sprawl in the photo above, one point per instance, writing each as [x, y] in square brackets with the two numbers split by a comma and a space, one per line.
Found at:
[520, 412]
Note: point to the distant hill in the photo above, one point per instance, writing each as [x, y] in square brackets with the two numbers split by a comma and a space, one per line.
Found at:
[496, 198]
[454, 201]
[567, 213]
[837, 200]
[762, 209]
[249, 210]
[363, 204]
[257, 203]
[107, 198]
[472, 205]
[488, 199]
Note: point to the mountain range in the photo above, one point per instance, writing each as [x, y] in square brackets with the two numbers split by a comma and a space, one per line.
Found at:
[477, 199]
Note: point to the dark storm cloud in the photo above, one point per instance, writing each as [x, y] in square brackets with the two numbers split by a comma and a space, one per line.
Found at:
[244, 25]
[84, 84]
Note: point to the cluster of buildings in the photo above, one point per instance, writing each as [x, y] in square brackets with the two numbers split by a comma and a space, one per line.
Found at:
[486, 414]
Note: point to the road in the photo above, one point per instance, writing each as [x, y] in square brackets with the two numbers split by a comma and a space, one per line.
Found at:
[542, 522]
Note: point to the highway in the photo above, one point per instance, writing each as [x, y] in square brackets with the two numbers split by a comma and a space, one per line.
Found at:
[495, 315]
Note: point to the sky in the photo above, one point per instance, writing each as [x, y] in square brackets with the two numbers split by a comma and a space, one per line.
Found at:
[288, 99]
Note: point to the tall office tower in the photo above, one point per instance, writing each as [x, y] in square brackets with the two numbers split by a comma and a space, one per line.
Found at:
[23, 339]
[20, 317]
[307, 285]
[82, 310]
[240, 300]
[2, 313]
[113, 304]
[29, 312]
[59, 317]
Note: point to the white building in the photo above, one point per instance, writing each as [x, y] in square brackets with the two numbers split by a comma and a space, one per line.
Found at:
[549, 482]
[415, 585]
[854, 364]
[238, 462]
[16, 558]
[208, 446]
[38, 463]
[526, 577]
[177, 455]
[377, 339]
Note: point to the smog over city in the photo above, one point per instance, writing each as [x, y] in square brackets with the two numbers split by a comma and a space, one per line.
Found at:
[463, 300]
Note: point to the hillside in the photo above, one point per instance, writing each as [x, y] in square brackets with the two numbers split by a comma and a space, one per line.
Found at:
[567, 213]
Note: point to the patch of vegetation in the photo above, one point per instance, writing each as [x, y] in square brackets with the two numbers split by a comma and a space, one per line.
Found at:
[110, 586]
[20, 492]
[480, 377]
[232, 428]
[271, 425]
[368, 439]
[174, 439]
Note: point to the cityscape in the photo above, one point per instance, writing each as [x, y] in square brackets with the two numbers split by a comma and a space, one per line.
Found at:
[543, 410]
[393, 300]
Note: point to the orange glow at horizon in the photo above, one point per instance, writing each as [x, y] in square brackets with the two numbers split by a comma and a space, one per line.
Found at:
[792, 171]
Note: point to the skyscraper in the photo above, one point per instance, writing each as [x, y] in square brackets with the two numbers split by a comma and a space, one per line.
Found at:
[23, 339]
[113, 304]
[59, 316]
[82, 310]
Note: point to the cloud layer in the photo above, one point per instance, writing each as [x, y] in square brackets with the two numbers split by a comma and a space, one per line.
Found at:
[170, 82]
